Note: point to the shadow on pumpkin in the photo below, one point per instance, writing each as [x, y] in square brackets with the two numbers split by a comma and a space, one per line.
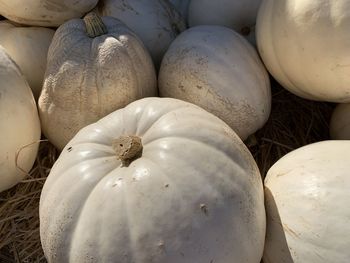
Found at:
[276, 246]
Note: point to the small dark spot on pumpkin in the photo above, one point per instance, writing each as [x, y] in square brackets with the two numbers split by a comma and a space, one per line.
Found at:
[204, 209]
[182, 88]
[121, 145]
[199, 87]
[161, 245]
[166, 185]
[69, 149]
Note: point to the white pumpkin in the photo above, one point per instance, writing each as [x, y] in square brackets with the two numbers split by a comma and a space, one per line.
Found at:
[340, 122]
[239, 15]
[305, 45]
[191, 193]
[217, 69]
[19, 124]
[28, 47]
[307, 195]
[50, 13]
[94, 67]
[181, 6]
[156, 22]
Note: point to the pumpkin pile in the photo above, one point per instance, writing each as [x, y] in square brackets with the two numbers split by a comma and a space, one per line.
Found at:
[174, 131]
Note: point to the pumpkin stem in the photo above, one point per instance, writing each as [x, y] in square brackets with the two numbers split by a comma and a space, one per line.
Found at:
[127, 148]
[94, 25]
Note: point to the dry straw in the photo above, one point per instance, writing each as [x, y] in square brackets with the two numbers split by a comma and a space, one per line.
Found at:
[19, 207]
[294, 122]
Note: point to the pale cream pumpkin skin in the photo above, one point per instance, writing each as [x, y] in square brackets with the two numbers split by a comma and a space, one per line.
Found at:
[49, 13]
[305, 45]
[87, 78]
[307, 193]
[340, 122]
[19, 124]
[194, 195]
[28, 47]
[217, 69]
[156, 22]
[239, 15]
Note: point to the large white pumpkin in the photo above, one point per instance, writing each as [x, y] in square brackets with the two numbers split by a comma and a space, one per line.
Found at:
[94, 67]
[217, 69]
[340, 122]
[28, 47]
[239, 15]
[50, 13]
[307, 204]
[19, 124]
[192, 194]
[305, 45]
[156, 22]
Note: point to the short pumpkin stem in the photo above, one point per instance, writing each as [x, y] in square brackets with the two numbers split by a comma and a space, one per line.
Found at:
[127, 148]
[94, 25]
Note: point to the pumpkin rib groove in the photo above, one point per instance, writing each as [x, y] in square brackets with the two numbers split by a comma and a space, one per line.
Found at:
[93, 159]
[143, 130]
[92, 144]
[204, 180]
[173, 184]
[133, 65]
[211, 147]
[164, 173]
[131, 240]
[84, 204]
[161, 116]
[85, 160]
[97, 80]
[57, 193]
[183, 136]
[66, 54]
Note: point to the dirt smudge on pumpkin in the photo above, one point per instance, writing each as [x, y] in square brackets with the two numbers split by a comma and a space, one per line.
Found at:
[284, 173]
[290, 231]
[125, 6]
[204, 209]
[161, 245]
[22, 20]
[54, 5]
